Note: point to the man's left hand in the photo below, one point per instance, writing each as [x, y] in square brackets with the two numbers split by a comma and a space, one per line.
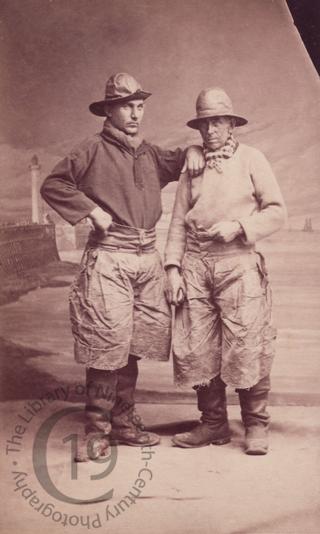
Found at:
[224, 231]
[194, 162]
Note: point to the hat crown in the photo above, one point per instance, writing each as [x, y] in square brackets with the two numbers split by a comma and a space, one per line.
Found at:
[120, 88]
[121, 85]
[213, 101]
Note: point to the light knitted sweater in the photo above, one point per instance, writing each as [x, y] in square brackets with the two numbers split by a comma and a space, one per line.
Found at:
[246, 191]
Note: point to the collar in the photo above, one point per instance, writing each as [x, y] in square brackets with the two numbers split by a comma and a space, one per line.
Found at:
[214, 158]
[132, 144]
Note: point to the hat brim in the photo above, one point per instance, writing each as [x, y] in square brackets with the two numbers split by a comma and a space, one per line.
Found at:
[194, 123]
[98, 108]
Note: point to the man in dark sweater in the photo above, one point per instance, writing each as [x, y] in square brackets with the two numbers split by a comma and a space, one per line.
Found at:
[117, 305]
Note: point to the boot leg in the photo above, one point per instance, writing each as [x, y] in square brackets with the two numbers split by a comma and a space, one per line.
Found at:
[255, 417]
[101, 392]
[214, 427]
[214, 412]
[123, 409]
[127, 426]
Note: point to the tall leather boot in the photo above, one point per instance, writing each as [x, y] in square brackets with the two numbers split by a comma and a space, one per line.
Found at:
[214, 427]
[101, 395]
[255, 417]
[127, 426]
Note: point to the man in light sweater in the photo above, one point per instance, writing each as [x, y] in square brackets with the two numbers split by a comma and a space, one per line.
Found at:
[219, 283]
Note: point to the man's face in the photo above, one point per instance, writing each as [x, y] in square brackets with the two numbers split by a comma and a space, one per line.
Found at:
[215, 131]
[126, 116]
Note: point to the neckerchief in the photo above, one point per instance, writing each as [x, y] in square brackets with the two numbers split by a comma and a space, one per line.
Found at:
[214, 158]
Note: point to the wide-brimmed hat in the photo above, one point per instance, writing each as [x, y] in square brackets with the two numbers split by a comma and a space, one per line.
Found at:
[214, 102]
[120, 87]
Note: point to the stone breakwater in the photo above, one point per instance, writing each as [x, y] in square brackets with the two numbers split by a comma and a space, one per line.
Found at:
[25, 251]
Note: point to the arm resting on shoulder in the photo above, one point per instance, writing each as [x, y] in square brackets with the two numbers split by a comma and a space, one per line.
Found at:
[174, 162]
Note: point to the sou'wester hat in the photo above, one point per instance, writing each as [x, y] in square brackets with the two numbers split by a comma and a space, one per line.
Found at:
[120, 87]
[214, 102]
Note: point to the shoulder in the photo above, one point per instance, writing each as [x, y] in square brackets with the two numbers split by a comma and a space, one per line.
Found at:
[86, 146]
[150, 147]
[164, 153]
[249, 151]
[252, 156]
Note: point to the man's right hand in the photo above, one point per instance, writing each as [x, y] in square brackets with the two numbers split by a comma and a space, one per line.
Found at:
[194, 162]
[175, 290]
[100, 219]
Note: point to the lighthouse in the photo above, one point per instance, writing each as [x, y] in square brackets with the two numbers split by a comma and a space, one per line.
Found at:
[35, 181]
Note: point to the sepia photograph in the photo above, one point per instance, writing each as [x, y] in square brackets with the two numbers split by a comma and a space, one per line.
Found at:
[159, 266]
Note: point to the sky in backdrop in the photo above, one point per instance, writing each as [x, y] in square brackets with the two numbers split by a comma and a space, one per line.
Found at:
[56, 56]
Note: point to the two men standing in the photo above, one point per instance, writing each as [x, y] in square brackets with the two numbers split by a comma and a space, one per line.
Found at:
[227, 198]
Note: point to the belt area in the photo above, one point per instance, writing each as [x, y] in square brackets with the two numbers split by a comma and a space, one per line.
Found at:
[208, 245]
[124, 239]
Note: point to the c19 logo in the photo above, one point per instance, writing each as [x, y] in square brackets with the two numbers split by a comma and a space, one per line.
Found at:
[40, 464]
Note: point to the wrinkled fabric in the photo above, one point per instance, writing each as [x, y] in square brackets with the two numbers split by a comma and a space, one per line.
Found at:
[117, 307]
[224, 326]
[119, 238]
[106, 171]
[246, 191]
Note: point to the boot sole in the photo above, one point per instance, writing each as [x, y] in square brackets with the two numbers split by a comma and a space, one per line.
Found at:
[185, 446]
[134, 444]
[256, 452]
[256, 446]
[82, 459]
[221, 441]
